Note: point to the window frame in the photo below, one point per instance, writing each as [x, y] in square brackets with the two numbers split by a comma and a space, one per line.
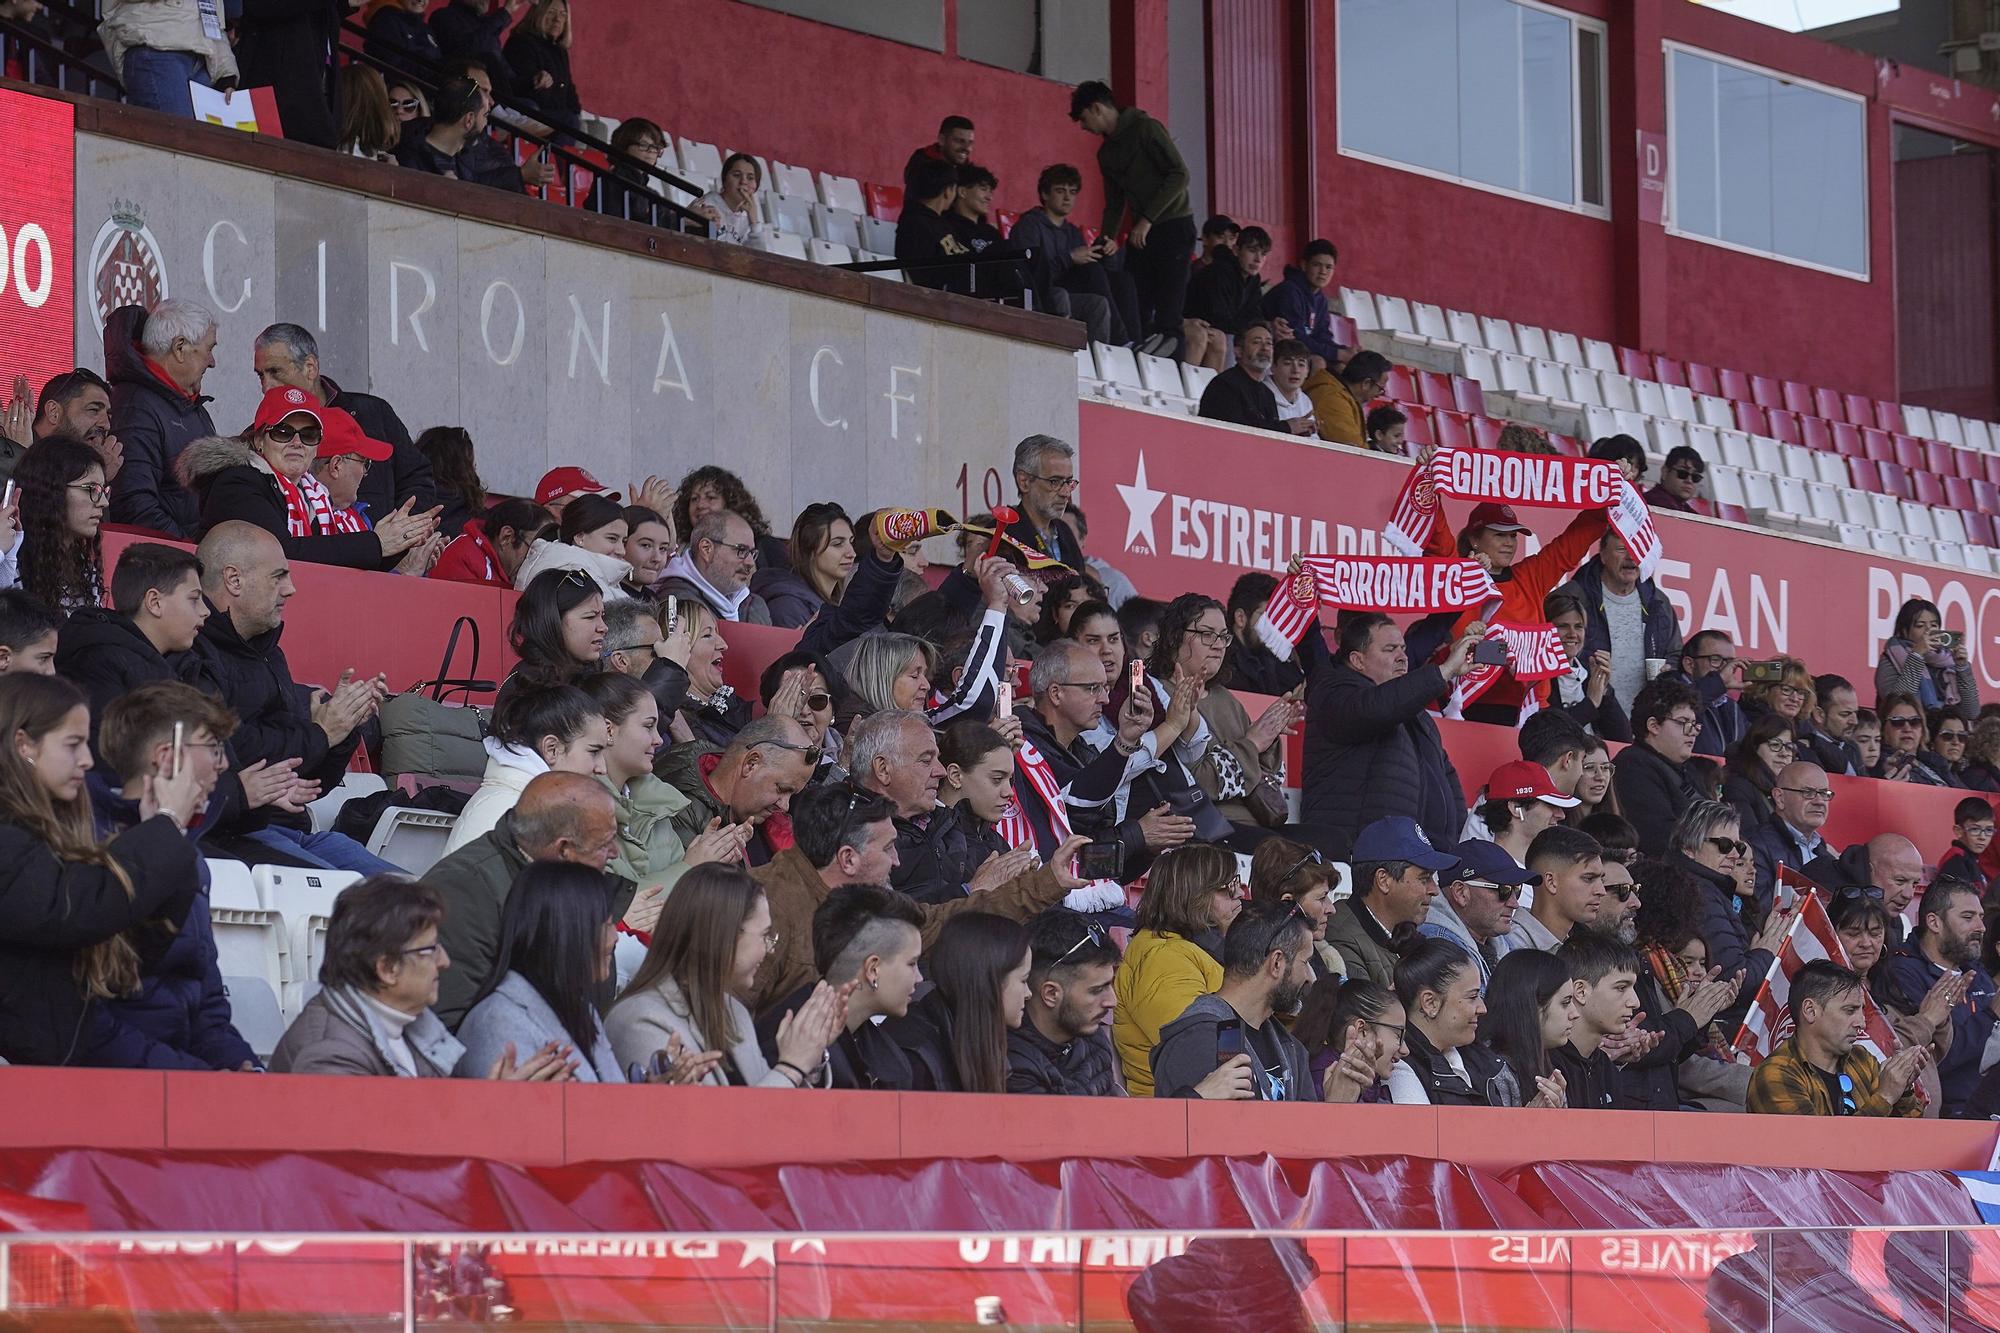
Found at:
[1668, 50]
[1578, 23]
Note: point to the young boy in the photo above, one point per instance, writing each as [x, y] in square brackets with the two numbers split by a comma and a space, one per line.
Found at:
[179, 1017]
[1604, 973]
[1971, 835]
[1290, 364]
[27, 634]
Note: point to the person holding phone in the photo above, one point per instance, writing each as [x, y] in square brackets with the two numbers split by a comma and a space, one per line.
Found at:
[1233, 1045]
[1931, 664]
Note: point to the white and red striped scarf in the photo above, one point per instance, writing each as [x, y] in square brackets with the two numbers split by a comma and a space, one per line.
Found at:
[1414, 585]
[309, 509]
[1015, 826]
[1533, 653]
[1547, 481]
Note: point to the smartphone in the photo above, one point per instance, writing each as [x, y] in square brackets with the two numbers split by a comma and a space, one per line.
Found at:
[1490, 652]
[7, 497]
[1102, 860]
[1138, 677]
[1004, 705]
[673, 614]
[179, 728]
[1228, 1040]
[1764, 673]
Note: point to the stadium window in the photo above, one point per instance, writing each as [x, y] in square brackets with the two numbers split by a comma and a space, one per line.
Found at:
[912, 22]
[1501, 95]
[1065, 40]
[1766, 164]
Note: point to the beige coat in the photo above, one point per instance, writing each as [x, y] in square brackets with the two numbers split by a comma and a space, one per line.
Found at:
[164, 25]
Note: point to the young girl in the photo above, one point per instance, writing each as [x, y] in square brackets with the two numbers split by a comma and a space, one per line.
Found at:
[555, 730]
[1530, 1008]
[591, 539]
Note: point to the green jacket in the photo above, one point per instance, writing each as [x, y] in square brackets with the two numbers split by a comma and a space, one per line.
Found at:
[1366, 954]
[679, 769]
[1142, 170]
[650, 850]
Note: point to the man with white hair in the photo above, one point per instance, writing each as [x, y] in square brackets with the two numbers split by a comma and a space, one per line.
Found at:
[156, 362]
[288, 355]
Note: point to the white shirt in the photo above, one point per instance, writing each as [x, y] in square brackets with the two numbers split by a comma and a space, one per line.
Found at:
[1290, 409]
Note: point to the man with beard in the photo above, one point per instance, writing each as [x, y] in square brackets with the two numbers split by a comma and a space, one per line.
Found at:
[1233, 1045]
[1242, 394]
[1950, 930]
[76, 403]
[1619, 916]
[1063, 1047]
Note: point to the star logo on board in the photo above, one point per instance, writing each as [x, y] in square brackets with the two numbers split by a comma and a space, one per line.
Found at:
[766, 1251]
[1141, 502]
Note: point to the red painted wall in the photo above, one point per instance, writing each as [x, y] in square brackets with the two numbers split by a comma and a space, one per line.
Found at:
[818, 96]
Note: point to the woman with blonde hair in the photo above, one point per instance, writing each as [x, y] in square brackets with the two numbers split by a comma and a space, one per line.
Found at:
[1192, 894]
[539, 52]
[66, 899]
[368, 128]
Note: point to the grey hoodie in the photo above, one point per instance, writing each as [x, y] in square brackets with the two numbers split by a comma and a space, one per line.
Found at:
[1186, 1053]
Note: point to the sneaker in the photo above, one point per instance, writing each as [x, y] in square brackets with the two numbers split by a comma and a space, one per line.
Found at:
[1152, 343]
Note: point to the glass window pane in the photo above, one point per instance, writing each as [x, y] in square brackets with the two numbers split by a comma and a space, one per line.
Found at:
[1489, 84]
[1398, 85]
[917, 22]
[1548, 167]
[1590, 113]
[1691, 147]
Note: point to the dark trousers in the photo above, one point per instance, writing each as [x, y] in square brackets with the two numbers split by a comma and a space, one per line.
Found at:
[1160, 270]
[1109, 280]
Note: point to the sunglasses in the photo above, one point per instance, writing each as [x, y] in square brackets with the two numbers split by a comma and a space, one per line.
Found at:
[1506, 893]
[1311, 858]
[1847, 1094]
[815, 702]
[1904, 721]
[405, 104]
[1622, 892]
[1729, 846]
[1689, 473]
[1092, 934]
[283, 434]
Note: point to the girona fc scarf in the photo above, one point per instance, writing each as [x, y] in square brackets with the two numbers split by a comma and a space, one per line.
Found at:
[1545, 481]
[1533, 653]
[1398, 584]
[1035, 814]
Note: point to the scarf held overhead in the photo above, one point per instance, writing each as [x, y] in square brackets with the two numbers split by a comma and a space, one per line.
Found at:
[1399, 584]
[1546, 481]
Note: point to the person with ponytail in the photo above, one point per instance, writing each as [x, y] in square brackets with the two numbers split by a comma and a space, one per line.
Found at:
[66, 899]
[1531, 1008]
[1353, 1032]
[1438, 984]
[956, 1036]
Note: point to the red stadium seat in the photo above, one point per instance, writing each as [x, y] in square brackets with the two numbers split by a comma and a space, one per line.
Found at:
[1818, 432]
[1486, 432]
[1866, 474]
[1567, 445]
[1879, 445]
[1635, 363]
[1985, 496]
[1417, 431]
[1703, 379]
[1896, 481]
[1434, 389]
[1751, 418]
[1991, 467]
[1847, 440]
[1967, 462]
[1798, 398]
[1928, 488]
[1889, 416]
[1735, 384]
[1346, 332]
[884, 201]
[1784, 426]
[1909, 450]
[1978, 527]
[1670, 371]
[1732, 513]
[1937, 457]
[1469, 394]
[1858, 408]
[1402, 386]
[1826, 403]
[1453, 429]
[1958, 493]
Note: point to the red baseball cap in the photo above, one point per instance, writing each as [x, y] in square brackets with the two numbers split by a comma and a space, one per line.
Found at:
[1498, 517]
[342, 434]
[1524, 780]
[284, 401]
[562, 482]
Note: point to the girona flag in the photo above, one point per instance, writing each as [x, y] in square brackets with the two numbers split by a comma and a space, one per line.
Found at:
[1812, 936]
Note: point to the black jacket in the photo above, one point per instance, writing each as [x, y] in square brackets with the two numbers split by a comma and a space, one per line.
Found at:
[153, 423]
[1606, 720]
[1722, 720]
[406, 474]
[288, 45]
[924, 1035]
[1753, 804]
[1061, 546]
[1091, 779]
[231, 487]
[1234, 397]
[1373, 750]
[939, 858]
[480, 161]
[1719, 915]
[253, 678]
[1651, 1084]
[1220, 294]
[1080, 1068]
[463, 30]
[403, 40]
[1441, 1082]
[864, 1060]
[105, 654]
[1590, 1078]
[530, 54]
[1251, 666]
[1652, 792]
[51, 909]
[1771, 846]
[924, 235]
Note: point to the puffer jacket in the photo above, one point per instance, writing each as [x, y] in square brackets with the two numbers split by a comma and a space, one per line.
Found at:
[1160, 975]
[1373, 750]
[253, 678]
[1719, 915]
[1082, 1067]
[650, 850]
[607, 571]
[1652, 791]
[792, 601]
[509, 770]
[938, 858]
[232, 482]
[163, 25]
[154, 421]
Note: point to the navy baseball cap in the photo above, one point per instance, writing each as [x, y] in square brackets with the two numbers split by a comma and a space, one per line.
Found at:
[1478, 859]
[1397, 838]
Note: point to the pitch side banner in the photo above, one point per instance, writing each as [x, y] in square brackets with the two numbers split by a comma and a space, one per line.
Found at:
[1180, 504]
[37, 224]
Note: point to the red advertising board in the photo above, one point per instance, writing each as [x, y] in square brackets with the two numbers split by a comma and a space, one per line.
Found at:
[37, 237]
[1180, 504]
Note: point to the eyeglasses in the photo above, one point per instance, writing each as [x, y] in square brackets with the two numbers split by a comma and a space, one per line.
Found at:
[1796, 691]
[93, 491]
[1978, 830]
[1715, 661]
[654, 148]
[355, 459]
[1063, 484]
[425, 952]
[743, 552]
[1729, 846]
[1812, 793]
[1622, 892]
[815, 702]
[283, 434]
[1687, 724]
[1903, 721]
[1785, 748]
[405, 104]
[1506, 893]
[1953, 735]
[1098, 689]
[1311, 858]
[1092, 934]
[1214, 638]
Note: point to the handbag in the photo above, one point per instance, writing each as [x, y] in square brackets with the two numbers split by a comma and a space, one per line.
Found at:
[423, 734]
[1210, 824]
[1266, 802]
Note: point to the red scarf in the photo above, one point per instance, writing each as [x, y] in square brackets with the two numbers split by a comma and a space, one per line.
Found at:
[1547, 481]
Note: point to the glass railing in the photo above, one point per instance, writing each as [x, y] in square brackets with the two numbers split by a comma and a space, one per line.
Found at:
[1824, 1279]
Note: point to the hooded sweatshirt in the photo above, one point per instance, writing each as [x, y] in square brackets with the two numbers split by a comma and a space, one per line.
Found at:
[509, 770]
[607, 571]
[1187, 1054]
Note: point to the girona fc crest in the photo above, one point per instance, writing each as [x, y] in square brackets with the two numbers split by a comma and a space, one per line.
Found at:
[126, 267]
[1304, 590]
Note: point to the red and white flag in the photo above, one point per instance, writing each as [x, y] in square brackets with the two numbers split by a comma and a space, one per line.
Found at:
[1812, 937]
[1404, 585]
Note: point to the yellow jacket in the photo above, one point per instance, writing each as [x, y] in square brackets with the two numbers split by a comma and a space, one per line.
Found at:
[1159, 977]
[1341, 417]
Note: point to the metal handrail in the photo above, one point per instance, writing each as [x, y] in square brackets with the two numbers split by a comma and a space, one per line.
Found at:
[41, 53]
